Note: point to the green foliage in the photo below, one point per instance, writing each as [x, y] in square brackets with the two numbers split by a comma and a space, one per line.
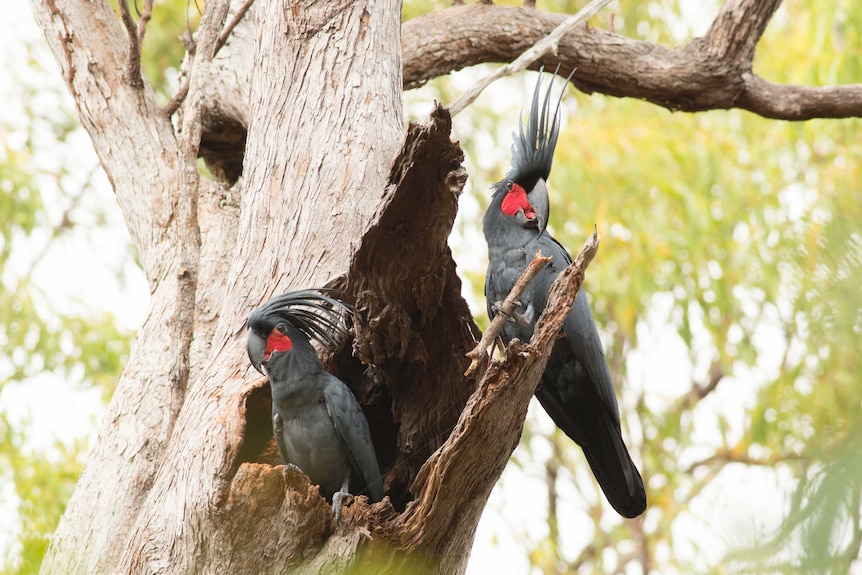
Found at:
[43, 485]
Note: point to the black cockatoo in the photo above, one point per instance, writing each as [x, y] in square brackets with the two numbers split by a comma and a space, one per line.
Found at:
[576, 388]
[318, 424]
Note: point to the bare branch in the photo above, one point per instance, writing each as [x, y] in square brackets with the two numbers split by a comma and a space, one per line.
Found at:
[228, 28]
[723, 456]
[133, 58]
[178, 98]
[182, 91]
[506, 309]
[738, 28]
[146, 14]
[706, 74]
[699, 391]
[549, 45]
[790, 102]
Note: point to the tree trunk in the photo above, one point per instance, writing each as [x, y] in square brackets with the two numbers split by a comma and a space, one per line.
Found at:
[182, 478]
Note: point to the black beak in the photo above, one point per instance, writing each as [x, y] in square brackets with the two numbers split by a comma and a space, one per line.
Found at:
[256, 346]
[538, 197]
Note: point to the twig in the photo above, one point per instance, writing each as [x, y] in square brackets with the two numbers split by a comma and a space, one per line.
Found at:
[236, 19]
[546, 45]
[511, 302]
[143, 21]
[700, 391]
[178, 98]
[133, 60]
[183, 89]
[724, 456]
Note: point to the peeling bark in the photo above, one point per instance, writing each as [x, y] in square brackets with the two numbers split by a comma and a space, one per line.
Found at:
[407, 294]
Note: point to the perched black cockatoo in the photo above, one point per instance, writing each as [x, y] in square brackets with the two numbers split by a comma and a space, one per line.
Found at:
[576, 388]
[318, 424]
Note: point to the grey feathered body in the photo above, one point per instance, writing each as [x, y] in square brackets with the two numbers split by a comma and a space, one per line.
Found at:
[324, 431]
[576, 388]
[317, 422]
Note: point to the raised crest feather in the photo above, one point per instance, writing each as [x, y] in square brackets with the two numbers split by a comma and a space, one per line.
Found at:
[317, 315]
[533, 147]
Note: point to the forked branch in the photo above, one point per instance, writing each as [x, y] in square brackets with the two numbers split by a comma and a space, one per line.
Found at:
[231, 24]
[136, 38]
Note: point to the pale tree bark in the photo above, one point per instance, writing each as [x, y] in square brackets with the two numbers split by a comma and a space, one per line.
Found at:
[300, 116]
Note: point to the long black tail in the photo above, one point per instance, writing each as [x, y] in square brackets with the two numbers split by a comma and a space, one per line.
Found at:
[591, 427]
[614, 469]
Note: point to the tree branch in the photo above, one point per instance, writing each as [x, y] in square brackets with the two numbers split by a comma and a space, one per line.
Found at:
[133, 58]
[183, 89]
[548, 45]
[507, 308]
[737, 29]
[146, 14]
[178, 98]
[791, 102]
[724, 456]
[708, 73]
[143, 175]
[699, 391]
[228, 28]
[712, 72]
[186, 207]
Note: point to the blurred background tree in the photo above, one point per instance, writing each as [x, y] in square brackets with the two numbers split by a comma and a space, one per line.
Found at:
[62, 352]
[727, 289]
[64, 339]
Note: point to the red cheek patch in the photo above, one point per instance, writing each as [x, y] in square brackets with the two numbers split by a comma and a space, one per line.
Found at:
[276, 342]
[516, 200]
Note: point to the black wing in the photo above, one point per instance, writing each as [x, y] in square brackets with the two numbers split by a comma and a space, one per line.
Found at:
[352, 429]
[578, 394]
